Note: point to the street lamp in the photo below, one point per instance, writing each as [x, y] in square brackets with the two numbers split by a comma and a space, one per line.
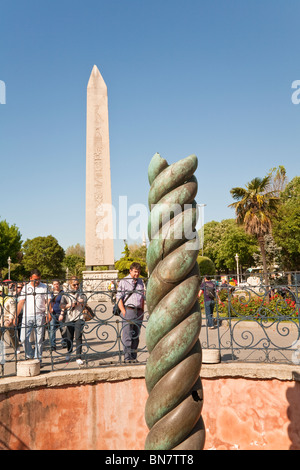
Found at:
[9, 263]
[201, 223]
[237, 268]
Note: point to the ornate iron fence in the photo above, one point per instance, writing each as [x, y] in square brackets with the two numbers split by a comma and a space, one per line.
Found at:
[251, 323]
[255, 323]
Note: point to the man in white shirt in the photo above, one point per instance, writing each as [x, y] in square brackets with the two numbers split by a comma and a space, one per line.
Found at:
[34, 300]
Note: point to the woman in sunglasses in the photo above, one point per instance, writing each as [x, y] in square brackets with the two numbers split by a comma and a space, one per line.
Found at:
[72, 303]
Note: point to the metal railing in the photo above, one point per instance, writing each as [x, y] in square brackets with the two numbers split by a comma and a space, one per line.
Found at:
[255, 323]
[251, 323]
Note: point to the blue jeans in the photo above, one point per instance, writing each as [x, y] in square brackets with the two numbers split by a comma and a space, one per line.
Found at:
[37, 324]
[209, 306]
[54, 325]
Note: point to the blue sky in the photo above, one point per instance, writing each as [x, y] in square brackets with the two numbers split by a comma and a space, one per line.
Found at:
[210, 77]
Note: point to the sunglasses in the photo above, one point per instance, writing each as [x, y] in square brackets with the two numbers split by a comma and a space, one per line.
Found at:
[74, 285]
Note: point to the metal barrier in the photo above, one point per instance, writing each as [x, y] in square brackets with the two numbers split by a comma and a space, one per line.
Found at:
[93, 341]
[250, 324]
[255, 323]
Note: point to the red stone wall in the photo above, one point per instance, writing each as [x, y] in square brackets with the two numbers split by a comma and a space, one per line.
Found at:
[252, 414]
[238, 414]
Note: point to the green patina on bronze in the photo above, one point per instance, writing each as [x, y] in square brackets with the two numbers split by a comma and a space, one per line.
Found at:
[169, 272]
[163, 319]
[168, 240]
[172, 348]
[156, 166]
[179, 172]
[160, 212]
[167, 396]
[173, 408]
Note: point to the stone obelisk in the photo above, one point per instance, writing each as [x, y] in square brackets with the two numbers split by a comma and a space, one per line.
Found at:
[99, 243]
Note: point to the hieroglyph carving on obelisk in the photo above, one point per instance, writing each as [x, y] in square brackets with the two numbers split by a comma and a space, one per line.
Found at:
[99, 226]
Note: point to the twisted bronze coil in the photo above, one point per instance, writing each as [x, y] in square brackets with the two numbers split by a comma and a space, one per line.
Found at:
[173, 409]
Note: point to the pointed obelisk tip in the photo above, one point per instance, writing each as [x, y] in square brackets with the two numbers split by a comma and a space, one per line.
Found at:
[96, 79]
[95, 70]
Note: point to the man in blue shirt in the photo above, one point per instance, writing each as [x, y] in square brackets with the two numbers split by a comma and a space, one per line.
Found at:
[130, 297]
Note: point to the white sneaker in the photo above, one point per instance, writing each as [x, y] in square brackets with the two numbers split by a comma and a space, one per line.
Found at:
[79, 362]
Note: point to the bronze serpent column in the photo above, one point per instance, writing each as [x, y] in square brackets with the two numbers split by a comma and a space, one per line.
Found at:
[173, 408]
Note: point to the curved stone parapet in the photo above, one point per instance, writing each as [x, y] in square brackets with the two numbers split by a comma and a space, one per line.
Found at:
[173, 409]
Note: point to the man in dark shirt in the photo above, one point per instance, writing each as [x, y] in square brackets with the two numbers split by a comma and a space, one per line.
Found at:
[208, 289]
[55, 312]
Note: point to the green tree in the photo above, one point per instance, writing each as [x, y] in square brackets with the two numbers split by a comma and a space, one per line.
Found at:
[45, 254]
[10, 243]
[286, 225]
[138, 251]
[222, 240]
[273, 254]
[235, 241]
[255, 207]
[206, 266]
[278, 180]
[123, 264]
[75, 264]
[77, 249]
[212, 239]
[17, 272]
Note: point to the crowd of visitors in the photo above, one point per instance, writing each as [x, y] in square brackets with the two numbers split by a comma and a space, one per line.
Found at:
[28, 310]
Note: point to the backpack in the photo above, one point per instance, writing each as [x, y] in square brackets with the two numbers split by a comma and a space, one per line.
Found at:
[210, 291]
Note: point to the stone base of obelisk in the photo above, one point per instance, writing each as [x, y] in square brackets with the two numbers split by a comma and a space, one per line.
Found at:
[96, 283]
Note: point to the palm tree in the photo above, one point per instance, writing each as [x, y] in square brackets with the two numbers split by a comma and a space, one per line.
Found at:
[254, 207]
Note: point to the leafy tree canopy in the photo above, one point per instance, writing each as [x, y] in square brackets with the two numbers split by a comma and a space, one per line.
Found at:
[222, 240]
[75, 264]
[45, 254]
[206, 266]
[255, 207]
[77, 249]
[10, 243]
[286, 225]
[136, 254]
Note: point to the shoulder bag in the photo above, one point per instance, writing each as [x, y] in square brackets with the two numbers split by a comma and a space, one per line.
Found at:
[116, 308]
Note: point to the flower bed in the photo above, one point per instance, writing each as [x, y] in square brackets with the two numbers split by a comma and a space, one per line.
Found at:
[255, 307]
